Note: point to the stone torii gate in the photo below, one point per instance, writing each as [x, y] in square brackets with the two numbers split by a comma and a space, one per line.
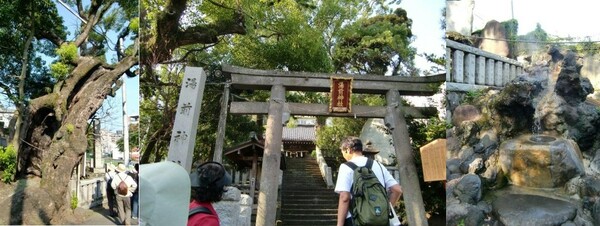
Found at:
[394, 114]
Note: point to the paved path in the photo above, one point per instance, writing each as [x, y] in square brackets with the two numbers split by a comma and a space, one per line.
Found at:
[100, 216]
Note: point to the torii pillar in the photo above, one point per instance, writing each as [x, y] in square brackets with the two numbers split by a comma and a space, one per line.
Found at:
[409, 180]
[269, 181]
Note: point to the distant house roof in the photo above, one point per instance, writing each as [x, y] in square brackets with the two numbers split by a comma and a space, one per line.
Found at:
[299, 133]
[242, 154]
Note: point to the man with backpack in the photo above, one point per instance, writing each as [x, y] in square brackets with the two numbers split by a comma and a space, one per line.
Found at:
[363, 185]
[124, 185]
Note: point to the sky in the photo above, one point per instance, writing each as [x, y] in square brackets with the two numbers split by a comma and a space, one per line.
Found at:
[426, 16]
[573, 18]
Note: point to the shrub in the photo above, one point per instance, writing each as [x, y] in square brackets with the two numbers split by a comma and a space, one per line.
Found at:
[8, 163]
[74, 201]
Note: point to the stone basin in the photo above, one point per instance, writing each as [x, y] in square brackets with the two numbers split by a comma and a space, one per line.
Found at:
[540, 161]
[522, 209]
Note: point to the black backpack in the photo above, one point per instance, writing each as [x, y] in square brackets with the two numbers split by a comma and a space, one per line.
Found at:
[369, 204]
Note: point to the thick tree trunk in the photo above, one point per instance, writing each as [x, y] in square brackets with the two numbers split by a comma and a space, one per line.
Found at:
[56, 134]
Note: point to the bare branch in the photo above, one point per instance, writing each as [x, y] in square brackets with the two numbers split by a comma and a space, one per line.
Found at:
[189, 52]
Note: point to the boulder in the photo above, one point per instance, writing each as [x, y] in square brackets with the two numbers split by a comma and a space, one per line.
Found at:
[466, 213]
[468, 189]
[494, 39]
[570, 84]
[518, 209]
[465, 113]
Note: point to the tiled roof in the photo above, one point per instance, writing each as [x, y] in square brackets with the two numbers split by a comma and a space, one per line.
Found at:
[299, 133]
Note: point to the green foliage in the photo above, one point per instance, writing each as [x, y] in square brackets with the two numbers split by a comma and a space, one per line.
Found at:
[70, 128]
[8, 161]
[134, 25]
[17, 24]
[370, 45]
[328, 138]
[473, 95]
[74, 201]
[512, 28]
[60, 70]
[67, 52]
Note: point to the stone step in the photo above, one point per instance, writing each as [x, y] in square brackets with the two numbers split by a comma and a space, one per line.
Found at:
[321, 216]
[292, 211]
[309, 202]
[306, 200]
[308, 206]
[305, 222]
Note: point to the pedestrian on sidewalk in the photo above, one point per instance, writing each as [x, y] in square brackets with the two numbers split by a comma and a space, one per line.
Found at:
[135, 205]
[110, 191]
[124, 200]
[352, 151]
[208, 183]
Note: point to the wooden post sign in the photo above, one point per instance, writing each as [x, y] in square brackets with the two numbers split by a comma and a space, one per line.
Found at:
[433, 160]
[341, 89]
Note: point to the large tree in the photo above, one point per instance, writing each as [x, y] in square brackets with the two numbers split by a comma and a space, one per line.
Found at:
[51, 130]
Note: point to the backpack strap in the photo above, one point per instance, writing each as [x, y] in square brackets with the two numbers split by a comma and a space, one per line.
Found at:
[369, 164]
[351, 165]
[199, 209]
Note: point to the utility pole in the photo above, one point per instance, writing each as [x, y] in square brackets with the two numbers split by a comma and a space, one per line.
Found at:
[125, 125]
[512, 9]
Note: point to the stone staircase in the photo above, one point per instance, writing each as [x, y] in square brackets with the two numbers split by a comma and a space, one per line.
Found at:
[306, 200]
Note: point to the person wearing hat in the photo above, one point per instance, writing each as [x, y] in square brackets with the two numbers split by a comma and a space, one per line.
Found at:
[123, 200]
[208, 183]
[369, 151]
[352, 151]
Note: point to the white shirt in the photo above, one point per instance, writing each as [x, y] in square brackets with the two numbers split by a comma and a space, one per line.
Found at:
[346, 175]
[128, 180]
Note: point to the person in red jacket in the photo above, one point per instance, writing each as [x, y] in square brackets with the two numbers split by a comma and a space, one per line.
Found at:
[208, 183]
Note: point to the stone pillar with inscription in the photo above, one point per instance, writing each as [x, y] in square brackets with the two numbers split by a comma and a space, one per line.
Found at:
[183, 136]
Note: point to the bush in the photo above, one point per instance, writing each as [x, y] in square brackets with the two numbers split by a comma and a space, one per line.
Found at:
[74, 201]
[8, 163]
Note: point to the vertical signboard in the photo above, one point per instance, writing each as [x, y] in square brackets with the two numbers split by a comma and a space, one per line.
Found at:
[341, 89]
[183, 136]
[433, 160]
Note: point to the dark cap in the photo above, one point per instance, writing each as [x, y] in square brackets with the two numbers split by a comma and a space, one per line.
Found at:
[369, 148]
[210, 174]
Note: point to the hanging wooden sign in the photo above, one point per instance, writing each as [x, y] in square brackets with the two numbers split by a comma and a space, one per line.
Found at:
[341, 89]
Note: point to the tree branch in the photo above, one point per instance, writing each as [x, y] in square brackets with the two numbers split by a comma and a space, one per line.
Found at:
[81, 10]
[189, 52]
[169, 35]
